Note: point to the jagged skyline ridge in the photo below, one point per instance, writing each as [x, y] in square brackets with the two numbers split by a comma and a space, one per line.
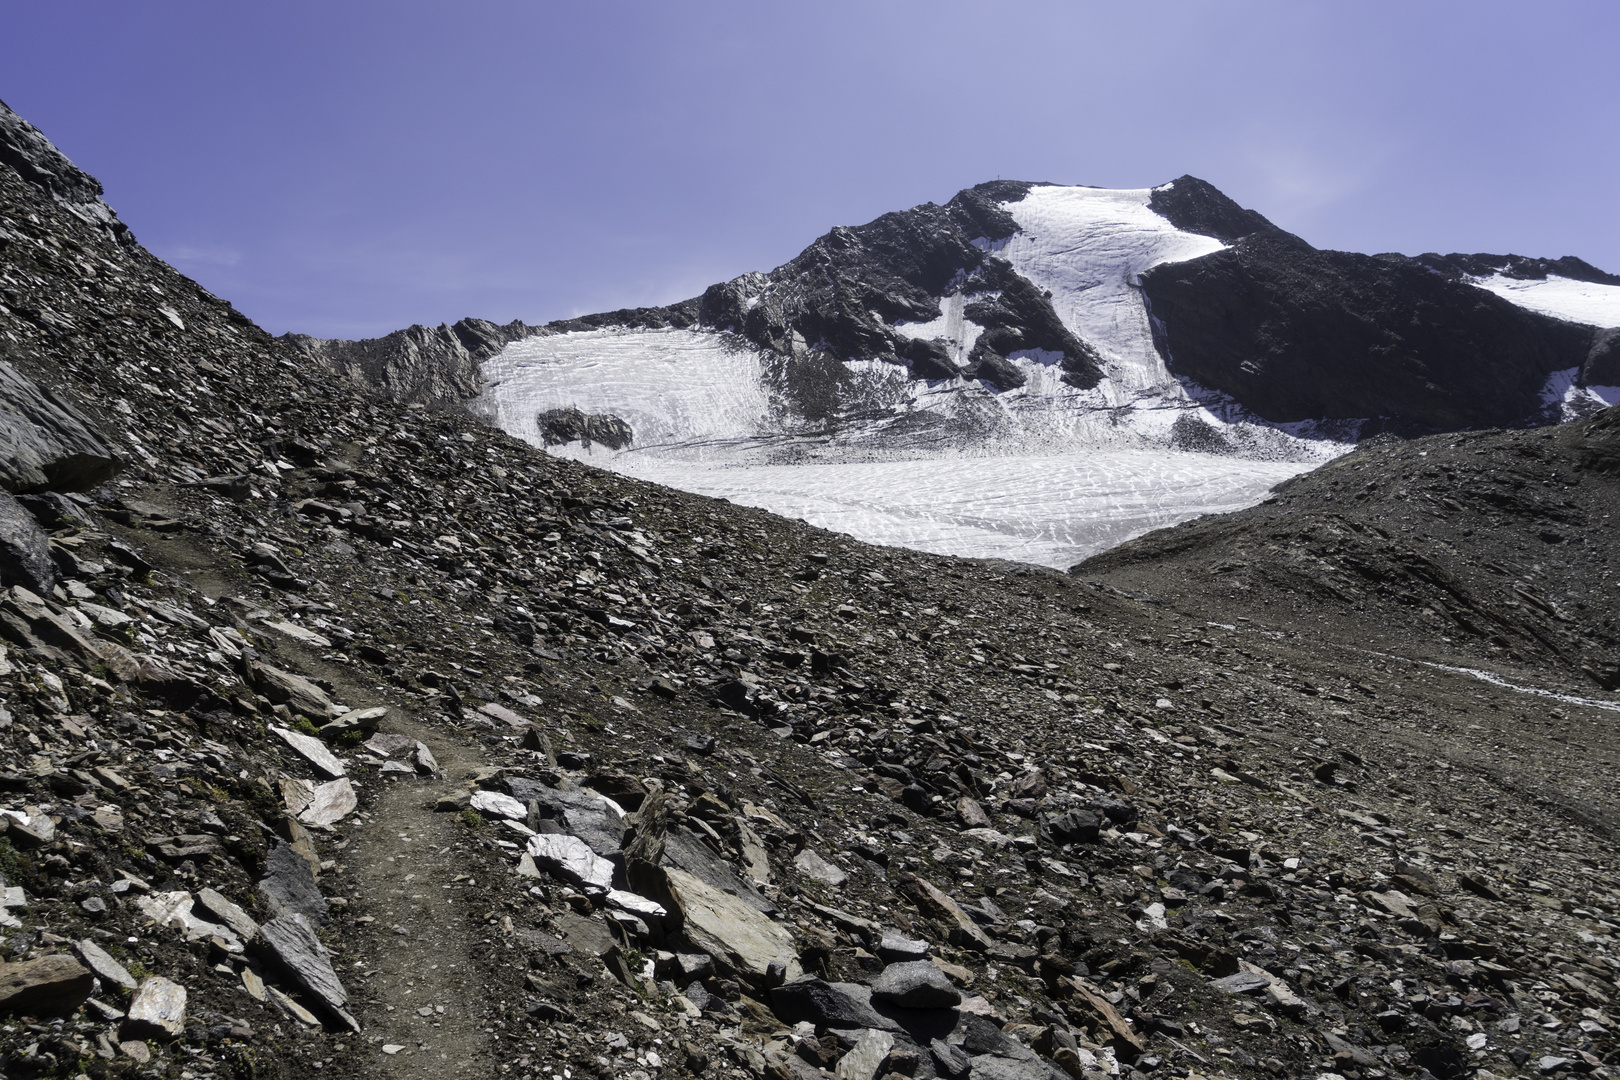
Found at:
[343, 175]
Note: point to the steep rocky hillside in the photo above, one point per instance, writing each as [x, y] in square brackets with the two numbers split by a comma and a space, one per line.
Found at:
[342, 737]
[1492, 548]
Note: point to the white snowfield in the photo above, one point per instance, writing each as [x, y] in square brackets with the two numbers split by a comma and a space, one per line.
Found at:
[1578, 301]
[1090, 247]
[1053, 511]
[1046, 473]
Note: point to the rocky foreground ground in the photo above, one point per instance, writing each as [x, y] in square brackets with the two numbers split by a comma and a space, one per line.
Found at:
[347, 738]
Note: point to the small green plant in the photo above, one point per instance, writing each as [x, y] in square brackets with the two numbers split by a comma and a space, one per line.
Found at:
[302, 724]
[351, 738]
[11, 862]
[472, 819]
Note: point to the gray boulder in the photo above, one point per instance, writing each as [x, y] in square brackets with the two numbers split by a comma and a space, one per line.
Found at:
[25, 550]
[916, 984]
[45, 443]
[578, 813]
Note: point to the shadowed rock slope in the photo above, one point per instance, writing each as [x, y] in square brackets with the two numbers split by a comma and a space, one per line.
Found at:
[358, 740]
[1492, 548]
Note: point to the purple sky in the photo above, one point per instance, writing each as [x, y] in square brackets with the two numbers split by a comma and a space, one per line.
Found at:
[347, 168]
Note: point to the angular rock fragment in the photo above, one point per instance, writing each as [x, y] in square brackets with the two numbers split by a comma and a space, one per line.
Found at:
[915, 984]
[812, 865]
[49, 986]
[936, 905]
[571, 859]
[311, 750]
[294, 691]
[228, 914]
[288, 885]
[737, 935]
[329, 803]
[493, 802]
[579, 813]
[868, 1056]
[48, 443]
[157, 1011]
[827, 1005]
[290, 943]
[107, 969]
[25, 550]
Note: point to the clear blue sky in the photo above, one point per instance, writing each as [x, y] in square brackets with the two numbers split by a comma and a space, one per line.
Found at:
[346, 168]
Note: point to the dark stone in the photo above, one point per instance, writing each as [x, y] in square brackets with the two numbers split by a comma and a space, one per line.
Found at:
[290, 943]
[560, 426]
[916, 984]
[579, 813]
[25, 550]
[827, 1005]
[1072, 827]
[288, 885]
[49, 445]
[49, 986]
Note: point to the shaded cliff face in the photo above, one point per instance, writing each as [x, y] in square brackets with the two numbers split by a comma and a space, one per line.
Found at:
[1294, 333]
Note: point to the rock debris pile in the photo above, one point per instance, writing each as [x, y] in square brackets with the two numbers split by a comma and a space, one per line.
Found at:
[351, 738]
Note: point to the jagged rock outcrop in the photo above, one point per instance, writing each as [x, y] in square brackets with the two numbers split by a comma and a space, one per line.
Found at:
[419, 364]
[32, 157]
[1293, 333]
[843, 292]
[560, 426]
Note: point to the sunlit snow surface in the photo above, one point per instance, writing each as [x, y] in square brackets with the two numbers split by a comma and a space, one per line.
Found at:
[1046, 473]
[1053, 511]
[1578, 301]
[1089, 247]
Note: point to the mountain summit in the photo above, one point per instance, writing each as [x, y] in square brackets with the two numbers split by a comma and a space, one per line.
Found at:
[1110, 360]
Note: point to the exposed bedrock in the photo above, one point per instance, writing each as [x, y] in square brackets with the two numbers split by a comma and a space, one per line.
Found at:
[560, 426]
[1295, 333]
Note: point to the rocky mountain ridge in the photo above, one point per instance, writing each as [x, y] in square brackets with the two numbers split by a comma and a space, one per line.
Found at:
[342, 737]
[1271, 325]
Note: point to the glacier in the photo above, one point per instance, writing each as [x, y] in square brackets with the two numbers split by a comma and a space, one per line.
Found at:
[1046, 472]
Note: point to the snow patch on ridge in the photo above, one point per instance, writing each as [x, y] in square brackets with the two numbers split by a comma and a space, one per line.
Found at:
[1046, 473]
[679, 390]
[1564, 298]
[1090, 247]
[960, 334]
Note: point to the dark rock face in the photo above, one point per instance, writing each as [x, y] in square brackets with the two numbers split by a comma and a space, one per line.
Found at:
[1197, 206]
[25, 550]
[419, 363]
[31, 155]
[842, 293]
[1294, 333]
[45, 443]
[1602, 366]
[561, 426]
